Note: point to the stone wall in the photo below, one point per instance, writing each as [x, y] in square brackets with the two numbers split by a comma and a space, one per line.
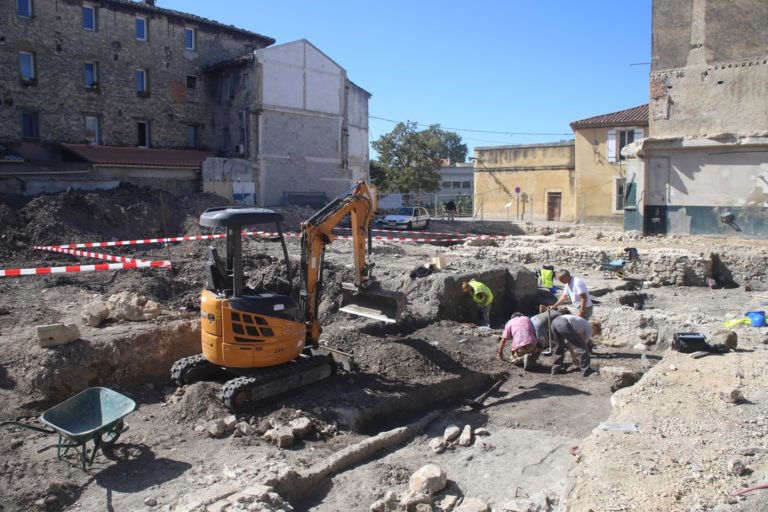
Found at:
[730, 265]
[62, 47]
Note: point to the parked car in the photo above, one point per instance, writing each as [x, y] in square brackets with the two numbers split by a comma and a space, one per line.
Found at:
[407, 217]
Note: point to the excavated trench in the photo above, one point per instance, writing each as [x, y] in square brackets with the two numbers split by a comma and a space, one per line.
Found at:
[424, 373]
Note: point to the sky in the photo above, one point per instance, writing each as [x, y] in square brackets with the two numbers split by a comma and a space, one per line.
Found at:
[524, 69]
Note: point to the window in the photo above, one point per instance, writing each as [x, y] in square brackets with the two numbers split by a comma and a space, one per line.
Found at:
[92, 130]
[27, 66]
[617, 139]
[91, 70]
[191, 136]
[227, 87]
[142, 83]
[191, 87]
[30, 126]
[190, 39]
[89, 17]
[226, 140]
[141, 28]
[445, 184]
[455, 184]
[466, 184]
[24, 8]
[142, 134]
[619, 186]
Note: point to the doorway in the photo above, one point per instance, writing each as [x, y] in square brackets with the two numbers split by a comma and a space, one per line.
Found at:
[554, 205]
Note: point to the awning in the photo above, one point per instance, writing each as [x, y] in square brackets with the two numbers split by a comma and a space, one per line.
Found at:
[116, 156]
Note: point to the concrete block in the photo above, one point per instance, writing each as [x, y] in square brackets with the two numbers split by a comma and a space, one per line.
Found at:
[57, 334]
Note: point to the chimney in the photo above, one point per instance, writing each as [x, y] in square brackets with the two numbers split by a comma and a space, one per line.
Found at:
[149, 2]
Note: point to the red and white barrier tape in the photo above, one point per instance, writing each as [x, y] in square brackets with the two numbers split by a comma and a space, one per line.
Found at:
[15, 272]
[134, 242]
[88, 254]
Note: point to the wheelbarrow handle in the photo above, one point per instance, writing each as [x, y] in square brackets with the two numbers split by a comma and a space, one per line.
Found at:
[25, 425]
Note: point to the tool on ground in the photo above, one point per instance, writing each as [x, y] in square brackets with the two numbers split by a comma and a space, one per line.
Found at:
[95, 414]
[548, 352]
[264, 341]
[478, 402]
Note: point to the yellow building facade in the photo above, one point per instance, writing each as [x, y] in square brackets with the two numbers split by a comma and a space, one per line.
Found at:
[601, 186]
[532, 182]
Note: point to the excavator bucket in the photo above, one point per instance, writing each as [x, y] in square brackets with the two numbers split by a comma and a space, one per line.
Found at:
[375, 303]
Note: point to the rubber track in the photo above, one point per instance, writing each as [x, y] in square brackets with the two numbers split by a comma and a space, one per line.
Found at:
[183, 364]
[262, 375]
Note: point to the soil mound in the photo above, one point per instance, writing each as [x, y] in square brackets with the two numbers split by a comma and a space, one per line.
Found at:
[200, 402]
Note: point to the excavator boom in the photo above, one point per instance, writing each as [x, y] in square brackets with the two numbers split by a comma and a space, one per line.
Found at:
[362, 297]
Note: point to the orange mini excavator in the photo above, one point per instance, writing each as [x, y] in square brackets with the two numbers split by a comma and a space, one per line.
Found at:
[264, 343]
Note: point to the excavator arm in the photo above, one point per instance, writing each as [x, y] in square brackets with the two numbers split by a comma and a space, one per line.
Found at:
[362, 297]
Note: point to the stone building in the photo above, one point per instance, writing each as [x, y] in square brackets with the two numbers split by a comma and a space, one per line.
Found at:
[153, 82]
[526, 182]
[704, 166]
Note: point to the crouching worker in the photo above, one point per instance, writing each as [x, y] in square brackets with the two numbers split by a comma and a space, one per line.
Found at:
[525, 346]
[571, 331]
[482, 296]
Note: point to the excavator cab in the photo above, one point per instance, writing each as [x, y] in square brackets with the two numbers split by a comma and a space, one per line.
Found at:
[244, 327]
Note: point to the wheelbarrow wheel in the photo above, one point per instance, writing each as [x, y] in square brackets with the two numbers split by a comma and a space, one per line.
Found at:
[620, 274]
[109, 438]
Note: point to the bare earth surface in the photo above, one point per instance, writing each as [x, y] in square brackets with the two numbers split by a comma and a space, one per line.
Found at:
[691, 445]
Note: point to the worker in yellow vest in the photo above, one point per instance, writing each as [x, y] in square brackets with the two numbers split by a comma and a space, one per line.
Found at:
[482, 296]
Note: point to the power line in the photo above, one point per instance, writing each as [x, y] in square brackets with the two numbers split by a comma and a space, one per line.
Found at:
[469, 129]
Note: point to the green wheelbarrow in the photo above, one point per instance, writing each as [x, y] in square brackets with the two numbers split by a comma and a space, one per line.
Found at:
[95, 414]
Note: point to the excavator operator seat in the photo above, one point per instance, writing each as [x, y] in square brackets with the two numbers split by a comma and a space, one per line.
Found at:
[215, 273]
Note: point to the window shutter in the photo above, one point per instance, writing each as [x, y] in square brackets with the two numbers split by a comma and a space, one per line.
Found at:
[610, 147]
[639, 133]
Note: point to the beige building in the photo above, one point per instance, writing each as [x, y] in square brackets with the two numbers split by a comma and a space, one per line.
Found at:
[532, 182]
[600, 166]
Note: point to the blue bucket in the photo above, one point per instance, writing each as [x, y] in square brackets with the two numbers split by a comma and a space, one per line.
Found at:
[756, 317]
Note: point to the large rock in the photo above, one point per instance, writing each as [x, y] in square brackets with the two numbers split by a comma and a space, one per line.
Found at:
[465, 439]
[301, 427]
[217, 428]
[281, 436]
[438, 444]
[473, 505]
[722, 337]
[451, 432]
[132, 307]
[94, 313]
[57, 334]
[428, 479]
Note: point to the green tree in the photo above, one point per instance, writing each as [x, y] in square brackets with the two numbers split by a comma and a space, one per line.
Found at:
[378, 175]
[411, 158]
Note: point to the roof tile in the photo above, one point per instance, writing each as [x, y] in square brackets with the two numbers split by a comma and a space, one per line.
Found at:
[635, 116]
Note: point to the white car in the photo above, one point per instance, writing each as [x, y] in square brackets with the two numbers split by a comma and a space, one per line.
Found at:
[407, 217]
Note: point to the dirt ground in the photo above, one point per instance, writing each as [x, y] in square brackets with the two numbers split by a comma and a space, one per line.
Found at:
[544, 452]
